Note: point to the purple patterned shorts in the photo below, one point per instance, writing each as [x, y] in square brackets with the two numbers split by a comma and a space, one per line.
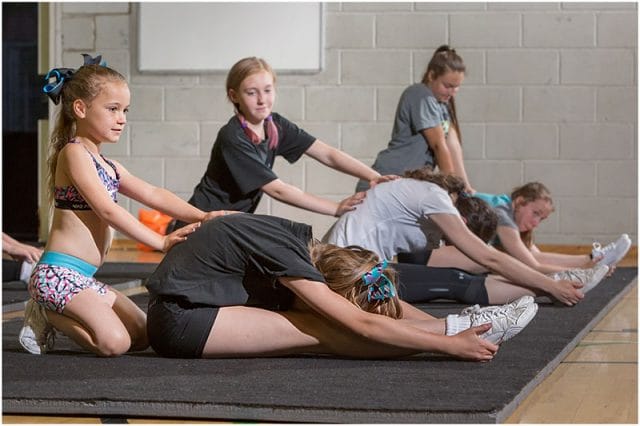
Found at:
[53, 286]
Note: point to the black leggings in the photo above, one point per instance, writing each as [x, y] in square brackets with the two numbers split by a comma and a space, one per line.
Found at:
[420, 283]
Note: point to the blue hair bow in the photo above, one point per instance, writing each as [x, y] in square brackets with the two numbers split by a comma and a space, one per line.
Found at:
[53, 89]
[379, 286]
[88, 60]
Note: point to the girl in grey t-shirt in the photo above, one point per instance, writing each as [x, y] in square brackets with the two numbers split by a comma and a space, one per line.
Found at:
[425, 129]
[411, 215]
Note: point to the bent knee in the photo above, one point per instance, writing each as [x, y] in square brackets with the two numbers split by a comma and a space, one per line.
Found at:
[114, 344]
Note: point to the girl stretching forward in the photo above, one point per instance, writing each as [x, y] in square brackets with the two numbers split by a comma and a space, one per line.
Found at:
[84, 186]
[519, 214]
[242, 157]
[426, 130]
[411, 216]
[249, 285]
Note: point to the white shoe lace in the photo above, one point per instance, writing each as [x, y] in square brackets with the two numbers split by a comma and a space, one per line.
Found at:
[476, 309]
[582, 276]
[484, 315]
[598, 250]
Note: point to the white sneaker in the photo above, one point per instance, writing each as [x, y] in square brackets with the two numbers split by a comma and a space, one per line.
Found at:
[613, 252]
[589, 278]
[506, 320]
[37, 336]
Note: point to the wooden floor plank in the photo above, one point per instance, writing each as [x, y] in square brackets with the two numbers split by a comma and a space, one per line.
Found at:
[598, 381]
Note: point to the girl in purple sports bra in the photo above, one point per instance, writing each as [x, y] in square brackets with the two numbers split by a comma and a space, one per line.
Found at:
[84, 186]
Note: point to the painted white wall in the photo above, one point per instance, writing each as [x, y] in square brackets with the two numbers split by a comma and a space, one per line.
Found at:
[550, 95]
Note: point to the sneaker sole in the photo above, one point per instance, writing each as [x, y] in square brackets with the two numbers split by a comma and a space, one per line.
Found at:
[598, 276]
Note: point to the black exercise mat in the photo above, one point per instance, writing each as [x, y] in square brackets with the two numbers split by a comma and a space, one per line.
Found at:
[421, 389]
[14, 292]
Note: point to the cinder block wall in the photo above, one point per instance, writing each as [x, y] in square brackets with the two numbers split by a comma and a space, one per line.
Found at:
[550, 95]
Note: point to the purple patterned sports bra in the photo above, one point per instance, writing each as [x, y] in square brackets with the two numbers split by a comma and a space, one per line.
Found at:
[68, 197]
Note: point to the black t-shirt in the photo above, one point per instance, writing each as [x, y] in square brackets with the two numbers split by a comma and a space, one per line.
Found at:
[238, 168]
[236, 260]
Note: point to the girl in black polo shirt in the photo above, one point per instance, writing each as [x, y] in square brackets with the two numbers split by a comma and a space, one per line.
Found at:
[240, 167]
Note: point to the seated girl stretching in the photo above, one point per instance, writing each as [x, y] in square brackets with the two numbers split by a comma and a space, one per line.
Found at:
[249, 285]
[411, 215]
[84, 186]
[520, 213]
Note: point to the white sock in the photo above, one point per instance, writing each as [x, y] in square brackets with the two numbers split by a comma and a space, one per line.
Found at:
[25, 271]
[457, 323]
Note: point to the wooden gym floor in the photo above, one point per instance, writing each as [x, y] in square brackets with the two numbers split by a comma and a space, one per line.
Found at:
[596, 383]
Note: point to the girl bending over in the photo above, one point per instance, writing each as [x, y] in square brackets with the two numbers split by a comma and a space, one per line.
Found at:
[412, 215]
[251, 285]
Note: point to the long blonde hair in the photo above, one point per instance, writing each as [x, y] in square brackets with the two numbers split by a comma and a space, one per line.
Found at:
[343, 270]
[85, 84]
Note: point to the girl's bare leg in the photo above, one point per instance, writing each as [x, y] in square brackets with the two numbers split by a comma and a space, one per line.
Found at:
[568, 261]
[241, 331]
[501, 291]
[134, 320]
[96, 323]
[451, 257]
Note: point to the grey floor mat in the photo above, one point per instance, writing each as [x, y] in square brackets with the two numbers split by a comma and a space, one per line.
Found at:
[420, 389]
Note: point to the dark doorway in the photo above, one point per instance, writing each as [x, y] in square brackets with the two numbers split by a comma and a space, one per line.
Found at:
[22, 106]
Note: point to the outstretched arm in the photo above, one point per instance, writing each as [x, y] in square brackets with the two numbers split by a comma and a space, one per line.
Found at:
[386, 330]
[81, 172]
[343, 162]
[160, 199]
[294, 196]
[457, 158]
[513, 245]
[503, 264]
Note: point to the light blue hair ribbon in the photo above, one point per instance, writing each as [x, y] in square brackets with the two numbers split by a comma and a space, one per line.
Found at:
[379, 285]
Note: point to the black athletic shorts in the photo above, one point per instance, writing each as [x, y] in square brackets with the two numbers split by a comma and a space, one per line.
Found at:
[179, 329]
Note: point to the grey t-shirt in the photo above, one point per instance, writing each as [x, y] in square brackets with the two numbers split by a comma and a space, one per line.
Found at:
[394, 218]
[418, 109]
[506, 215]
